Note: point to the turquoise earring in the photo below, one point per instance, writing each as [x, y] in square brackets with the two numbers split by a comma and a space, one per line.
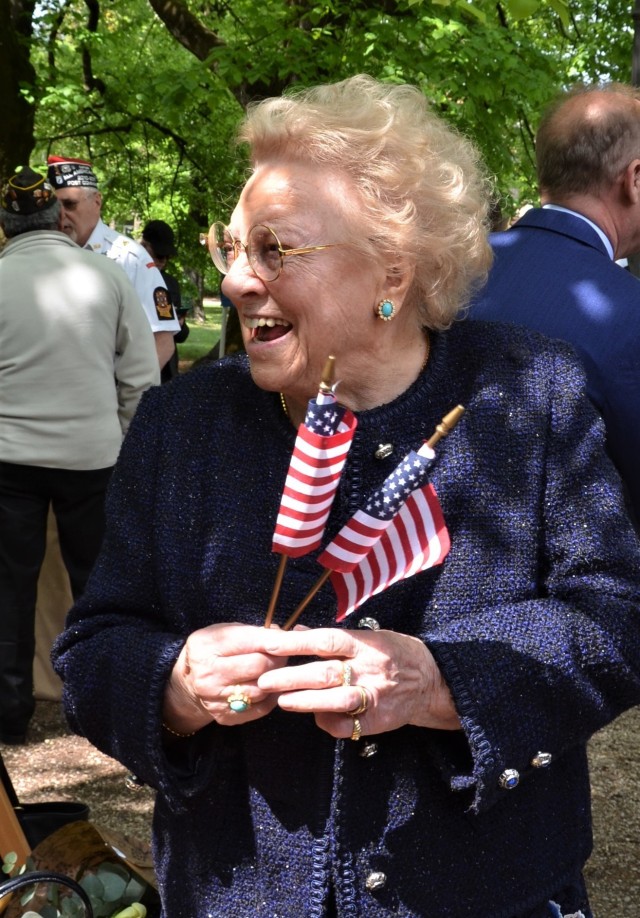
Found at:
[386, 310]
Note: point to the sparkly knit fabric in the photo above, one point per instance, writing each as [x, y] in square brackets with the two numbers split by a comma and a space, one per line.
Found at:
[534, 618]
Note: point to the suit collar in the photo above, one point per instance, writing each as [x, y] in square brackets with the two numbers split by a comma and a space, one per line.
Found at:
[565, 224]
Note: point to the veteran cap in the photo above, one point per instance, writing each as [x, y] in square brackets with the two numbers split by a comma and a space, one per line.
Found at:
[70, 173]
[27, 192]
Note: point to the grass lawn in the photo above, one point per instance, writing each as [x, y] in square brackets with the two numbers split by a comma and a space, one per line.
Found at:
[201, 337]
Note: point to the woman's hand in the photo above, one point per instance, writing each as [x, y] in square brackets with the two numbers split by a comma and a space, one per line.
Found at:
[394, 675]
[219, 667]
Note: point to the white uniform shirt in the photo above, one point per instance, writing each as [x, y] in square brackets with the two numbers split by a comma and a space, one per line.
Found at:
[141, 271]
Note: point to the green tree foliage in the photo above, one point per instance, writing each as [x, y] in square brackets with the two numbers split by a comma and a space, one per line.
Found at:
[151, 90]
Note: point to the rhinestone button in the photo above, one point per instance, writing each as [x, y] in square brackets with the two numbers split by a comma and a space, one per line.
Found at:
[384, 450]
[376, 880]
[509, 779]
[368, 750]
[369, 623]
[541, 760]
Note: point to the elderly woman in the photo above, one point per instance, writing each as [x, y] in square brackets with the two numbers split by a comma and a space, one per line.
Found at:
[427, 755]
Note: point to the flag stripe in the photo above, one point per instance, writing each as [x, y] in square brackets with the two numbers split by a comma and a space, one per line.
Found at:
[313, 443]
[297, 544]
[353, 541]
[358, 536]
[314, 478]
[312, 507]
[319, 454]
[288, 526]
[416, 540]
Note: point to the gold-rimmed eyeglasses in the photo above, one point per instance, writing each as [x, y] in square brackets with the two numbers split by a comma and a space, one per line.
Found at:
[264, 250]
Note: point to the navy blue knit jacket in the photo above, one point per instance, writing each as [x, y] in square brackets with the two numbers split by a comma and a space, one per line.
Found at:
[534, 619]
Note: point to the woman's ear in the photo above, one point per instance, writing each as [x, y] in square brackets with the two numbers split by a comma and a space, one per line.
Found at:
[398, 280]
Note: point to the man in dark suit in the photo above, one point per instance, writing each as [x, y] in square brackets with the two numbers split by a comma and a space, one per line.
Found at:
[555, 270]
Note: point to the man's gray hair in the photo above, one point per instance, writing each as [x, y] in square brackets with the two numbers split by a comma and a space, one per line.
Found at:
[17, 224]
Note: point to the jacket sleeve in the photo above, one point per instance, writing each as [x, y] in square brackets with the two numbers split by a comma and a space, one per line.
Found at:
[551, 653]
[136, 365]
[119, 645]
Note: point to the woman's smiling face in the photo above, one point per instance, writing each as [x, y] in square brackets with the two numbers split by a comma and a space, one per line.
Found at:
[323, 302]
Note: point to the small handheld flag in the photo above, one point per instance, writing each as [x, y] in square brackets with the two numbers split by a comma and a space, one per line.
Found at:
[319, 454]
[416, 539]
[366, 527]
[399, 532]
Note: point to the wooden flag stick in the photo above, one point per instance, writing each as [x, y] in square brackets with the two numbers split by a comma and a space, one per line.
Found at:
[445, 426]
[276, 591]
[293, 618]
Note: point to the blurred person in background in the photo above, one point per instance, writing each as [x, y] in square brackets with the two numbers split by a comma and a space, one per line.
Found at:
[76, 354]
[159, 241]
[555, 269]
[76, 186]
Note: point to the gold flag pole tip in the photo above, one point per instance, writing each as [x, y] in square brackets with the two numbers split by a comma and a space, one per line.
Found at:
[328, 376]
[446, 425]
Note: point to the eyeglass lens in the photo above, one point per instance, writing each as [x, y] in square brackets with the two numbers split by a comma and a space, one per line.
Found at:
[262, 248]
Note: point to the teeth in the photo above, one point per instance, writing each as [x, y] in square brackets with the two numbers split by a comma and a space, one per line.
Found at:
[260, 323]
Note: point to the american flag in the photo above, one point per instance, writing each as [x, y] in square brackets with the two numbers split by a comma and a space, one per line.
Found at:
[319, 454]
[366, 526]
[399, 532]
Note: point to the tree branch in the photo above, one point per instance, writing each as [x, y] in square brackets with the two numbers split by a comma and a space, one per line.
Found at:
[187, 28]
[93, 21]
[53, 38]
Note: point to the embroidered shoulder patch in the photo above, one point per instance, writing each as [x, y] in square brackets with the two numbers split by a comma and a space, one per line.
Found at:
[162, 303]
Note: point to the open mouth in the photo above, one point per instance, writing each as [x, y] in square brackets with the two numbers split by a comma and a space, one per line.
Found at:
[267, 329]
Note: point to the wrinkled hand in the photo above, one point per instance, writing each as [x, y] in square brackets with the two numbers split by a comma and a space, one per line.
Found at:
[216, 662]
[399, 675]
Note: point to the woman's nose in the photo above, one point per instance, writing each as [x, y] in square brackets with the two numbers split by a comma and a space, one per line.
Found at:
[241, 278]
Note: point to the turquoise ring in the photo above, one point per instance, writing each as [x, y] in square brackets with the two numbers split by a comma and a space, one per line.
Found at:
[238, 701]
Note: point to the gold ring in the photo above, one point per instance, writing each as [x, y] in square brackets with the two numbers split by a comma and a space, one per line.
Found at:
[346, 673]
[238, 701]
[364, 702]
[356, 733]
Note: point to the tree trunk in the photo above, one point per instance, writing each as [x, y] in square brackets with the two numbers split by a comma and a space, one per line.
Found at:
[16, 76]
[197, 308]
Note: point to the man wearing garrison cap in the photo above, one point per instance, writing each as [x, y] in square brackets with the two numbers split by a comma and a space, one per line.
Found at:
[76, 354]
[76, 187]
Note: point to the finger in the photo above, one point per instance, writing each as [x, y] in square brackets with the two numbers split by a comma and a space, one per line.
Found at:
[228, 718]
[313, 701]
[241, 668]
[352, 700]
[236, 700]
[319, 642]
[229, 639]
[338, 725]
[317, 675]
